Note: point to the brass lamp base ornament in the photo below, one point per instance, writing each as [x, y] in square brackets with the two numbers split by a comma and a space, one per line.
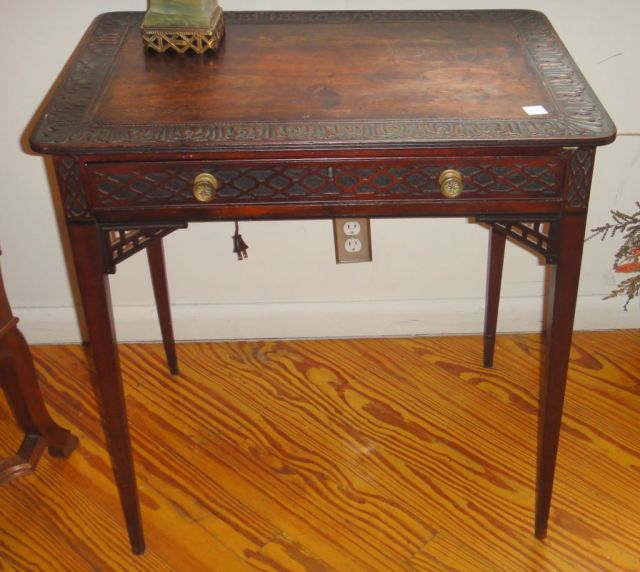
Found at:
[183, 25]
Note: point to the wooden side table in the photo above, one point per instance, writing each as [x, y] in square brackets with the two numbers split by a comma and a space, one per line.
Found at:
[19, 381]
[305, 115]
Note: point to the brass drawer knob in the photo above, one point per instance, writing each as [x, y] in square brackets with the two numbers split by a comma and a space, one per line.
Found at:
[451, 183]
[205, 186]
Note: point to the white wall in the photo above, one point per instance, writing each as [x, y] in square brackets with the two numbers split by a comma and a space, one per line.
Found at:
[427, 275]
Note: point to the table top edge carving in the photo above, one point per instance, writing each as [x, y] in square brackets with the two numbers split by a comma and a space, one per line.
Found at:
[67, 126]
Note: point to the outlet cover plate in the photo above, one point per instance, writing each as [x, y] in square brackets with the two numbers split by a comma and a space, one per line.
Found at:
[345, 253]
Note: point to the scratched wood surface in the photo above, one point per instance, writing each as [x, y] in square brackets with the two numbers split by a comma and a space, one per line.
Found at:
[358, 455]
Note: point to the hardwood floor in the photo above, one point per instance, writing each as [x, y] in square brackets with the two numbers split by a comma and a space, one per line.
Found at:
[337, 455]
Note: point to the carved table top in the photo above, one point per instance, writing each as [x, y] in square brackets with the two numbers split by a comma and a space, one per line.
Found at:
[308, 80]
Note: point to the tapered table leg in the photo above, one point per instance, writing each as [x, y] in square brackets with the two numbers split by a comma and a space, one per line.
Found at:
[155, 254]
[96, 301]
[561, 307]
[494, 281]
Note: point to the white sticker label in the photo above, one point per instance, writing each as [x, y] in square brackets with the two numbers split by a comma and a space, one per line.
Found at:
[535, 110]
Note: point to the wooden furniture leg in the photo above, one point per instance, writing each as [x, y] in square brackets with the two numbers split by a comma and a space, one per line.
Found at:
[494, 280]
[561, 309]
[155, 255]
[25, 461]
[19, 380]
[96, 301]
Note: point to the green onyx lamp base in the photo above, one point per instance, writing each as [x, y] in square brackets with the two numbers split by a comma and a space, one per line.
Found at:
[182, 32]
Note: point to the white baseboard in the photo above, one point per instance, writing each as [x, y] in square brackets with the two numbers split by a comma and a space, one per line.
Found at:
[323, 319]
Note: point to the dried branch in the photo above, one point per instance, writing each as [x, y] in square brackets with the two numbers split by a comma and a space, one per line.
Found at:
[621, 222]
[627, 259]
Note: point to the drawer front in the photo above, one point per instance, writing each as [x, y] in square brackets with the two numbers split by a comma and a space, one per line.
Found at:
[114, 185]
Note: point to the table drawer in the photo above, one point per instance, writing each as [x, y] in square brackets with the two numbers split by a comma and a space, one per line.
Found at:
[172, 183]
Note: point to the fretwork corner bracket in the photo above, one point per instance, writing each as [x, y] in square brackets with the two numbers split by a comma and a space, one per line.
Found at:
[120, 243]
[536, 236]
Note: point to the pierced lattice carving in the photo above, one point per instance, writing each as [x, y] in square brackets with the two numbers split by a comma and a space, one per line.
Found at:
[538, 236]
[199, 42]
[173, 184]
[579, 183]
[121, 243]
[72, 192]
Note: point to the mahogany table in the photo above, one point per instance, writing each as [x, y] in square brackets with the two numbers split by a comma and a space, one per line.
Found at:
[325, 114]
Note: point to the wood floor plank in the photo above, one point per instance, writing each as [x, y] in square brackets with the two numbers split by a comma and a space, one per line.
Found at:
[337, 455]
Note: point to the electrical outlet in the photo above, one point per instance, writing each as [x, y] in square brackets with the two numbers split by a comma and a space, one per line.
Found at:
[352, 239]
[351, 228]
[353, 245]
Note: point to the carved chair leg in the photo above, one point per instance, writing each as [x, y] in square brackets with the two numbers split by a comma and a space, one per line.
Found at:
[155, 254]
[494, 281]
[25, 461]
[19, 381]
[23, 395]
